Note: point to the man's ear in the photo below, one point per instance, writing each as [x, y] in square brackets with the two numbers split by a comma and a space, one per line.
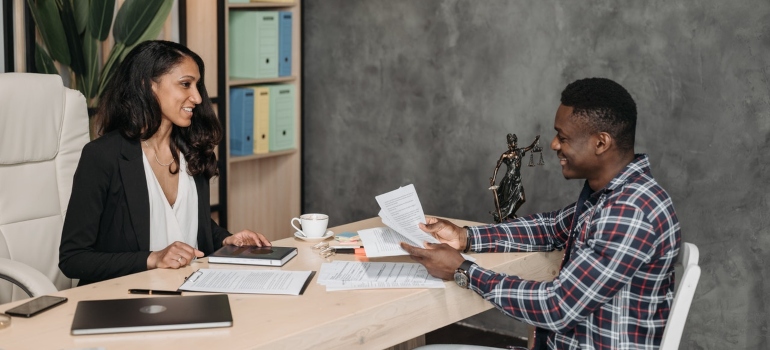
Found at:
[603, 142]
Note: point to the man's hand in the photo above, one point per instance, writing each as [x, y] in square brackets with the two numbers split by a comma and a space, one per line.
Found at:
[446, 232]
[440, 260]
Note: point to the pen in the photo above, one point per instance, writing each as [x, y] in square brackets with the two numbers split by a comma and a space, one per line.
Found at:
[150, 291]
[350, 250]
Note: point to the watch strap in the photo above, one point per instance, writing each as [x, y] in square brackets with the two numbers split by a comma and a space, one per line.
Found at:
[462, 274]
[466, 266]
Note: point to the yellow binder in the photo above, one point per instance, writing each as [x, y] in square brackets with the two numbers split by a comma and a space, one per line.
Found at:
[261, 119]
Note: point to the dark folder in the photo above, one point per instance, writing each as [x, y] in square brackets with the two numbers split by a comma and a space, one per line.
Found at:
[151, 314]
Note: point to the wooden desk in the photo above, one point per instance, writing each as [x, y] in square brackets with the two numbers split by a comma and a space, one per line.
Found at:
[363, 319]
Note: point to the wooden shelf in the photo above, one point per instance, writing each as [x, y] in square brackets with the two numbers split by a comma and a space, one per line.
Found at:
[236, 159]
[246, 82]
[261, 5]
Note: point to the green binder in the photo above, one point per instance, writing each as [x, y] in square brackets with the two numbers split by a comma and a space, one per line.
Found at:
[282, 115]
[253, 44]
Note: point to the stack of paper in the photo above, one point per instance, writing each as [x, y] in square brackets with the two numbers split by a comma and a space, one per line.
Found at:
[347, 275]
[247, 281]
[402, 212]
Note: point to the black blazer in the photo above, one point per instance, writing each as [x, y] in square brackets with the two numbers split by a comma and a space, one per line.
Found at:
[107, 225]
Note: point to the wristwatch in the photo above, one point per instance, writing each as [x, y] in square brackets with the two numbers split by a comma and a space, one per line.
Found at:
[462, 278]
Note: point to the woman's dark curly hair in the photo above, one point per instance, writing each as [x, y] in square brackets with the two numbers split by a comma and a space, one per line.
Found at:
[129, 105]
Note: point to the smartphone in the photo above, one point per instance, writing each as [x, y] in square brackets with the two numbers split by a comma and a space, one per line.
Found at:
[36, 306]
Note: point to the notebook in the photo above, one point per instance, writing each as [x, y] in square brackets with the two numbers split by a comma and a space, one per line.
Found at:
[151, 314]
[253, 255]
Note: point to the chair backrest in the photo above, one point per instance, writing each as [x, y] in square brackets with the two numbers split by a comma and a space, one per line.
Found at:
[672, 335]
[43, 128]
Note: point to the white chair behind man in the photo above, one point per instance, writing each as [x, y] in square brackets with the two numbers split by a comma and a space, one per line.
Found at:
[43, 128]
[672, 335]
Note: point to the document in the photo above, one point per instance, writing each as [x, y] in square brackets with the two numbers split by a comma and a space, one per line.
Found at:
[247, 281]
[348, 275]
[402, 212]
[382, 241]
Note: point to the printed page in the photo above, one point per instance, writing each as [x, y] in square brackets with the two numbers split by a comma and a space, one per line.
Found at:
[347, 275]
[246, 281]
[382, 241]
[402, 211]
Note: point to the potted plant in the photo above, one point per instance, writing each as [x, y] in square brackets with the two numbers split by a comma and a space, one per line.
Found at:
[71, 31]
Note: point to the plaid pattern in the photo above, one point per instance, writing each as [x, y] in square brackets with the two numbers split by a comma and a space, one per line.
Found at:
[616, 290]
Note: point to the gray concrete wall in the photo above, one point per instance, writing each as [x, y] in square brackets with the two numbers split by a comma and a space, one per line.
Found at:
[424, 92]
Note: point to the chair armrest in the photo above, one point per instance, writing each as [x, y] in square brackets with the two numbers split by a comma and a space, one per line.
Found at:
[32, 281]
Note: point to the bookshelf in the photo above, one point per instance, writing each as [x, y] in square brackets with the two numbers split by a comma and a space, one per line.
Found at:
[260, 192]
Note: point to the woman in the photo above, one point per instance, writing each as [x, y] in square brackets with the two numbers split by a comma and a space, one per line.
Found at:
[140, 196]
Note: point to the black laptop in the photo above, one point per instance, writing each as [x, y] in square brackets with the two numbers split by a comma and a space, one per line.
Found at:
[151, 314]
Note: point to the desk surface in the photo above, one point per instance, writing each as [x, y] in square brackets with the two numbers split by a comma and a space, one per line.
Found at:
[371, 319]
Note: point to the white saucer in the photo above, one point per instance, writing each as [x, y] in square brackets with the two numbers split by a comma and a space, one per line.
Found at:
[328, 234]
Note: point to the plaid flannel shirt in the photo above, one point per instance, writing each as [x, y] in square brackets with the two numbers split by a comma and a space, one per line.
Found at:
[616, 290]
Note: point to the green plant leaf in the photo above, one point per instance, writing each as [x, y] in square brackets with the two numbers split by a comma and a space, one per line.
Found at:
[43, 62]
[80, 8]
[46, 16]
[100, 18]
[73, 39]
[109, 68]
[133, 19]
[90, 78]
[153, 30]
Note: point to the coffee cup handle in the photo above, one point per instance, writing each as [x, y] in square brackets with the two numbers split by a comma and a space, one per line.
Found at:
[297, 228]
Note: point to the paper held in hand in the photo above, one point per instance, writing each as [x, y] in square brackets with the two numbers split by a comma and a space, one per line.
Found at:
[402, 212]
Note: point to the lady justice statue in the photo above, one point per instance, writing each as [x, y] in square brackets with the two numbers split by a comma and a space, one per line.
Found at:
[509, 195]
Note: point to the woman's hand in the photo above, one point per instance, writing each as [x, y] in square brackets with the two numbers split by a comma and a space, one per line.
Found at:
[247, 237]
[176, 255]
[445, 232]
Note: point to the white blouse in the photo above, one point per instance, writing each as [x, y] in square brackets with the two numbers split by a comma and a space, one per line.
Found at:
[170, 224]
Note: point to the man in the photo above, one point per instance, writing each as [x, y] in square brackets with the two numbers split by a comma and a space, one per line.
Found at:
[616, 284]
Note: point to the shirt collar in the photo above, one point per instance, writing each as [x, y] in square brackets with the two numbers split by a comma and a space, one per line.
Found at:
[640, 165]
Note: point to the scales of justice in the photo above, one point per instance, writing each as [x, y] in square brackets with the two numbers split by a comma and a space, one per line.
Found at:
[509, 194]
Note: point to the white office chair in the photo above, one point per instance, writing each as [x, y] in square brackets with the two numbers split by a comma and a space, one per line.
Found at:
[672, 335]
[43, 128]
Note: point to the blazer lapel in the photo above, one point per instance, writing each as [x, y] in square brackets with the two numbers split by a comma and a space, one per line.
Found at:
[204, 216]
[135, 185]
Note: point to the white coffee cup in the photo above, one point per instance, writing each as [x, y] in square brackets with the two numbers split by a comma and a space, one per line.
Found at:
[313, 225]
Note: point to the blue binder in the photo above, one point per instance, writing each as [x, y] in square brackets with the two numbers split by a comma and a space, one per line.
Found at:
[241, 121]
[284, 43]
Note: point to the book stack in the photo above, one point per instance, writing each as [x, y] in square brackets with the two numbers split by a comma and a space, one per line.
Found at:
[351, 238]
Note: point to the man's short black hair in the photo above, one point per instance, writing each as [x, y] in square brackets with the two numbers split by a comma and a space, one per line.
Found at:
[604, 106]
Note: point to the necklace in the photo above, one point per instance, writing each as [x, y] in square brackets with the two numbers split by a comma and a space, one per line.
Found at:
[156, 156]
